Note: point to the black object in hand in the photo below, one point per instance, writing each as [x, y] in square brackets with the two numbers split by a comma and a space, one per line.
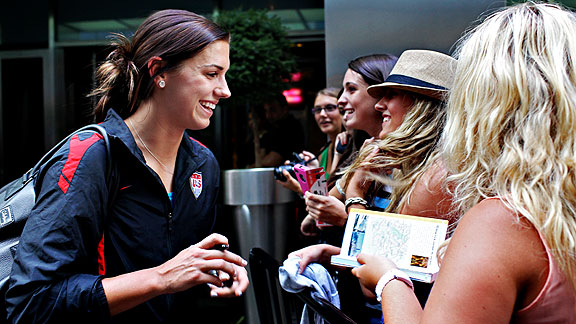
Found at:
[340, 148]
[221, 247]
[278, 175]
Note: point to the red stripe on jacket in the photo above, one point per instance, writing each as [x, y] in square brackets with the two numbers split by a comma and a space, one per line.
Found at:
[77, 149]
[197, 141]
[101, 259]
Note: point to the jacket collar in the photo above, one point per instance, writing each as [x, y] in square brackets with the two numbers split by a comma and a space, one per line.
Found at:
[194, 154]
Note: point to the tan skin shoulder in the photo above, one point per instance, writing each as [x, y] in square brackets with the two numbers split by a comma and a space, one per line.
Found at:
[495, 264]
[428, 197]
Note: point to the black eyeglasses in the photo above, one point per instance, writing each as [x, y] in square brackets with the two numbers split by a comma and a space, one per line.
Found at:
[328, 108]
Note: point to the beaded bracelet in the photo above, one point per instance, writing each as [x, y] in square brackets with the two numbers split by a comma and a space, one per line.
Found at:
[355, 200]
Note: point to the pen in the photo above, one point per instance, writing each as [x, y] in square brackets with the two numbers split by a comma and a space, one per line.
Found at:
[220, 247]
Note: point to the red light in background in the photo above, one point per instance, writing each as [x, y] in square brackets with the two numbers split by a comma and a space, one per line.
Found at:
[296, 77]
[293, 96]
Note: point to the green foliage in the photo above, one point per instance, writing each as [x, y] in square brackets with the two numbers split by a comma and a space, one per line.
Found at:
[260, 55]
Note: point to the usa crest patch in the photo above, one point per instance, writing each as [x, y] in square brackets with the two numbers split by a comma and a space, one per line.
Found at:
[196, 184]
[6, 216]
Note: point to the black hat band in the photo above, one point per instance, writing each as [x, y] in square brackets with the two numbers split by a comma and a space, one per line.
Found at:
[402, 79]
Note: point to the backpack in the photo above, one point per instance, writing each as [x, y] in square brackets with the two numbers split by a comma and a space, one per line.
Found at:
[16, 201]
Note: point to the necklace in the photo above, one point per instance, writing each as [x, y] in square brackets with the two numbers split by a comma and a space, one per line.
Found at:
[147, 149]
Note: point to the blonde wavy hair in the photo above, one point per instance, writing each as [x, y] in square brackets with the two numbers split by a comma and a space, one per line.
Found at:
[510, 130]
[407, 150]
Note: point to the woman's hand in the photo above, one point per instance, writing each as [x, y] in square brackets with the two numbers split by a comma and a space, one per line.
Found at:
[342, 140]
[239, 284]
[340, 144]
[290, 183]
[371, 269]
[189, 268]
[307, 156]
[327, 209]
[319, 253]
[368, 141]
[192, 266]
[308, 226]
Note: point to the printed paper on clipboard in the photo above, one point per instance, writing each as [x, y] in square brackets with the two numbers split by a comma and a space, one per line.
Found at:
[411, 242]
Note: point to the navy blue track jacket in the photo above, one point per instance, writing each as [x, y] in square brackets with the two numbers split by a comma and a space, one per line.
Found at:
[56, 277]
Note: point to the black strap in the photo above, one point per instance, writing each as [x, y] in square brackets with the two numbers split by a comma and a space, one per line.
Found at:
[112, 180]
[93, 127]
[32, 173]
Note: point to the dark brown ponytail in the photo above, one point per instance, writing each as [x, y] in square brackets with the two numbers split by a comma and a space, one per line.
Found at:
[123, 79]
[116, 78]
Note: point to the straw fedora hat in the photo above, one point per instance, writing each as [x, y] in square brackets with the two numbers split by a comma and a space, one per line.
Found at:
[425, 72]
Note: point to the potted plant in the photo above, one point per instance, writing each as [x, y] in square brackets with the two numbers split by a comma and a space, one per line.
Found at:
[261, 63]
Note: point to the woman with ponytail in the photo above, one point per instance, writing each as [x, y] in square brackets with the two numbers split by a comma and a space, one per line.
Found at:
[143, 253]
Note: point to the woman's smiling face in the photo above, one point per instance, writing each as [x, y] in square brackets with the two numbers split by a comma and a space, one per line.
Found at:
[393, 107]
[358, 105]
[329, 122]
[194, 89]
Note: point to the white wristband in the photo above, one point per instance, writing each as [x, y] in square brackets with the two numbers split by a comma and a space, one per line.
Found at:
[393, 274]
[337, 185]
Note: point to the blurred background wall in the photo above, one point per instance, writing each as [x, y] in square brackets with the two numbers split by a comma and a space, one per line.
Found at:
[357, 28]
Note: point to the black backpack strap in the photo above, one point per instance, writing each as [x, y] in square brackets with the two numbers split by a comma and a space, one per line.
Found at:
[33, 172]
[112, 179]
[109, 161]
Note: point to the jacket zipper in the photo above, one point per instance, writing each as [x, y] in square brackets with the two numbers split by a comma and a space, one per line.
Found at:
[170, 298]
[170, 227]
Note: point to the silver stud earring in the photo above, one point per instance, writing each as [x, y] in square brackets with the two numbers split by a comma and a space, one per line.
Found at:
[161, 84]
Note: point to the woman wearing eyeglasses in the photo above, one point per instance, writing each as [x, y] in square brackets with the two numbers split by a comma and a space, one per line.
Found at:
[329, 121]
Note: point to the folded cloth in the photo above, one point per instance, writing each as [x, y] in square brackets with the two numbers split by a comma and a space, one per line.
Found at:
[314, 276]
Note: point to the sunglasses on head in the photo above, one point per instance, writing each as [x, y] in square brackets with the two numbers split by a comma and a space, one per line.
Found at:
[328, 108]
